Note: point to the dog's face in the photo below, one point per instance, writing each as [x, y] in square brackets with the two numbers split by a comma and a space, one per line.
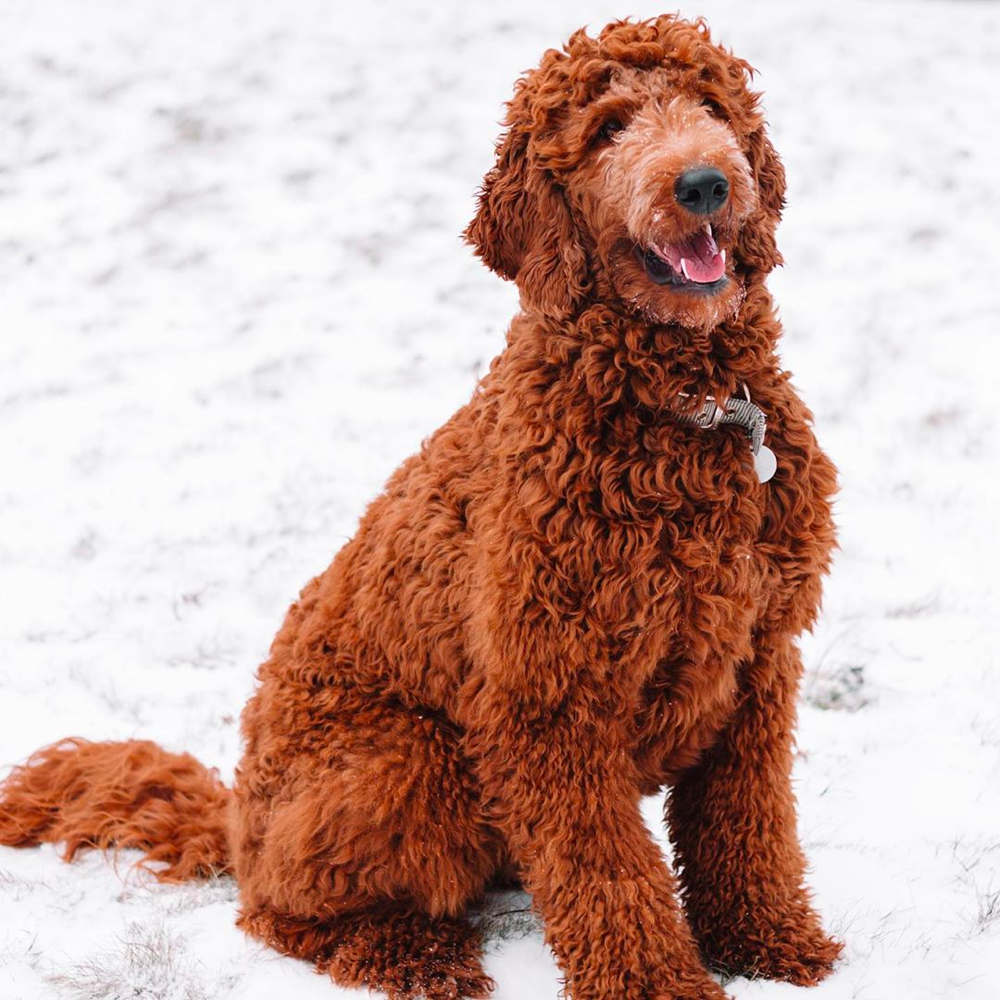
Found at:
[663, 188]
[634, 167]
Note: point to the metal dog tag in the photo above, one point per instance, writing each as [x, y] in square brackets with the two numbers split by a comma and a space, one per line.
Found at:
[764, 463]
[747, 415]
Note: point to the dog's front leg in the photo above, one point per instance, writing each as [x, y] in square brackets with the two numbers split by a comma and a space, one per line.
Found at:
[545, 728]
[733, 823]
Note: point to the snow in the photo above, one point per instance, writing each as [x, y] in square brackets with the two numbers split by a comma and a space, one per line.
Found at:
[233, 299]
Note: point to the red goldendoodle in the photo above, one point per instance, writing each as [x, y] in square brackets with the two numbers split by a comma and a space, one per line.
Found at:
[583, 588]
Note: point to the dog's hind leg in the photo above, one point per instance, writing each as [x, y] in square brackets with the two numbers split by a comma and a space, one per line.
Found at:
[361, 851]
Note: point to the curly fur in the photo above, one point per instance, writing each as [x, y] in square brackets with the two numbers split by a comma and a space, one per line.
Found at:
[565, 600]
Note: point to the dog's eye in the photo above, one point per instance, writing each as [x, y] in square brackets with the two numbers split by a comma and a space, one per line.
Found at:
[609, 129]
[714, 106]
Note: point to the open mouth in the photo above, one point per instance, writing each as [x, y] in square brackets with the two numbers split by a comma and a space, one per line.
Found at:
[696, 264]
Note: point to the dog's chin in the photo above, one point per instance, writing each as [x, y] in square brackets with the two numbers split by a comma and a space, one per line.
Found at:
[652, 288]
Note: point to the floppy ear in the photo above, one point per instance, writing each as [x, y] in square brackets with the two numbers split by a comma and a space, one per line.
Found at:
[759, 249]
[524, 232]
[769, 172]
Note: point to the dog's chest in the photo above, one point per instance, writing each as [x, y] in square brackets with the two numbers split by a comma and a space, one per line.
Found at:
[718, 578]
[716, 575]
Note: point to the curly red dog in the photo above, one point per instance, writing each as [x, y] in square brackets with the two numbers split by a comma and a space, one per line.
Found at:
[578, 592]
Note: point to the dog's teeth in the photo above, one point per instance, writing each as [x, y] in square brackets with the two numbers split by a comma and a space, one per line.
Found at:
[684, 268]
[722, 254]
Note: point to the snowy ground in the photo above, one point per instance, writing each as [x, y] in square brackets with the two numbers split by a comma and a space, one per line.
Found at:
[233, 298]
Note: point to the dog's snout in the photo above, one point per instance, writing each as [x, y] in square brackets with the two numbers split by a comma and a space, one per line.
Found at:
[703, 190]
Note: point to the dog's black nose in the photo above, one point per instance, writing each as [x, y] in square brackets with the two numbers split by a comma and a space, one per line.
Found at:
[703, 190]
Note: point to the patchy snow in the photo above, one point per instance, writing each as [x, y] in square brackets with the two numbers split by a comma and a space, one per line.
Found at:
[233, 298]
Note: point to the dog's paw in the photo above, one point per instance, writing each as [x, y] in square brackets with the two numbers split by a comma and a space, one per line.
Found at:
[708, 989]
[436, 981]
[688, 980]
[803, 961]
[693, 984]
[803, 958]
[784, 942]
[408, 956]
[713, 992]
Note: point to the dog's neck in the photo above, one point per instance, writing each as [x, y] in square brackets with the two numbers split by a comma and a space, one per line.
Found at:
[623, 358]
[608, 380]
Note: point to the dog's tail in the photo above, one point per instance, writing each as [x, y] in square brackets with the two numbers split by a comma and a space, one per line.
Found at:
[112, 795]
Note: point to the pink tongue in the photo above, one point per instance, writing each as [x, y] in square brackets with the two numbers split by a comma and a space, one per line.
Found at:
[697, 257]
[701, 260]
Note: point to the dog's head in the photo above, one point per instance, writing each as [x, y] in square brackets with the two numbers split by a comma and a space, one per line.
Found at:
[635, 168]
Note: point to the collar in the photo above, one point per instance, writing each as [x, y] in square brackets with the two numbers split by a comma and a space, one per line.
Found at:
[742, 412]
